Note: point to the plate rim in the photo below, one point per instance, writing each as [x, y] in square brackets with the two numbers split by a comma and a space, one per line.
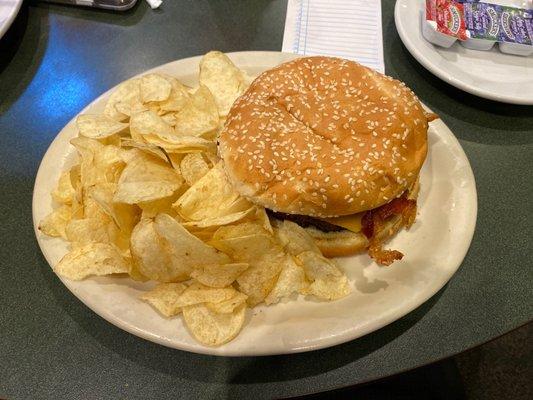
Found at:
[221, 351]
[11, 17]
[441, 74]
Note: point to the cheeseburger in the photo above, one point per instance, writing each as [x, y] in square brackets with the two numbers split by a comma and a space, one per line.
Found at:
[332, 146]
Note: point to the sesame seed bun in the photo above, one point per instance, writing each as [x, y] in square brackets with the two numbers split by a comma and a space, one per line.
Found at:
[324, 137]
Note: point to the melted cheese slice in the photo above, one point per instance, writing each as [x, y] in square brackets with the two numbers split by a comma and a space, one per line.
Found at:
[350, 222]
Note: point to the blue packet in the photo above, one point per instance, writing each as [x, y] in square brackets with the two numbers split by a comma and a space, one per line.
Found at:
[498, 23]
[482, 21]
[516, 25]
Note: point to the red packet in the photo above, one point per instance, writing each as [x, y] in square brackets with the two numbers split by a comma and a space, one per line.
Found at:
[449, 16]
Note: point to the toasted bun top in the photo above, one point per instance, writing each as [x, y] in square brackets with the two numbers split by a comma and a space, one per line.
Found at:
[324, 137]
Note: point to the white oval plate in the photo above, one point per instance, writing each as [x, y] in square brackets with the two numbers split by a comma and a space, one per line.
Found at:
[434, 248]
[8, 11]
[489, 74]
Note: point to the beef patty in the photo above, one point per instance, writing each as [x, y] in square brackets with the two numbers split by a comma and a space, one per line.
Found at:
[305, 221]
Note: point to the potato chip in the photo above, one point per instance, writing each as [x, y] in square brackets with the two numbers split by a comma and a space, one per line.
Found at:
[146, 178]
[265, 257]
[121, 240]
[186, 148]
[291, 280]
[328, 282]
[129, 108]
[218, 276]
[91, 259]
[213, 158]
[186, 249]
[219, 221]
[146, 147]
[164, 297]
[113, 140]
[55, 223]
[170, 119]
[211, 197]
[193, 167]
[91, 230]
[262, 218]
[147, 123]
[64, 192]
[198, 293]
[77, 208]
[91, 208]
[259, 280]
[183, 144]
[154, 107]
[225, 81]
[77, 198]
[154, 88]
[130, 153]
[110, 163]
[211, 328]
[160, 206]
[199, 116]
[75, 180]
[175, 160]
[295, 239]
[240, 230]
[126, 92]
[97, 229]
[178, 98]
[135, 273]
[99, 163]
[228, 306]
[214, 134]
[124, 215]
[151, 257]
[87, 148]
[98, 126]
[204, 234]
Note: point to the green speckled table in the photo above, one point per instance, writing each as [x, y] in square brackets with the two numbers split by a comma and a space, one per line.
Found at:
[55, 60]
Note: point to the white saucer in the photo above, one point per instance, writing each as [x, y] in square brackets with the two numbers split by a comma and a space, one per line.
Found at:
[8, 11]
[489, 74]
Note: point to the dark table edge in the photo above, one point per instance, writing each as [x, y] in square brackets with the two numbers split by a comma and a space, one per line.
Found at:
[436, 360]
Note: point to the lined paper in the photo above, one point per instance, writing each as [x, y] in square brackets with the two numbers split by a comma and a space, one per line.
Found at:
[342, 28]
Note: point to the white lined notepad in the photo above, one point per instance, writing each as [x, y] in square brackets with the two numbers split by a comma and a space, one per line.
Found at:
[342, 28]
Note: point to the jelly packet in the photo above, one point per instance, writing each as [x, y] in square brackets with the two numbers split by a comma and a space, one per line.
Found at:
[443, 22]
[517, 25]
[449, 17]
[516, 31]
[482, 21]
[482, 25]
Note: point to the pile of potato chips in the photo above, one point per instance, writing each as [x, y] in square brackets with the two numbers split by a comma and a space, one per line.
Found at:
[150, 198]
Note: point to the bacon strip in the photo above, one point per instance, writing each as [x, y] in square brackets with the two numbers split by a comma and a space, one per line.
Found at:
[373, 221]
[431, 116]
[384, 257]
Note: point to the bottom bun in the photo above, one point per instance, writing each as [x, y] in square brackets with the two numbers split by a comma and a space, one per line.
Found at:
[346, 243]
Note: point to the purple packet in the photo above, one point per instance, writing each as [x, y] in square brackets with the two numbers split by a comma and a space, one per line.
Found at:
[482, 20]
[516, 25]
